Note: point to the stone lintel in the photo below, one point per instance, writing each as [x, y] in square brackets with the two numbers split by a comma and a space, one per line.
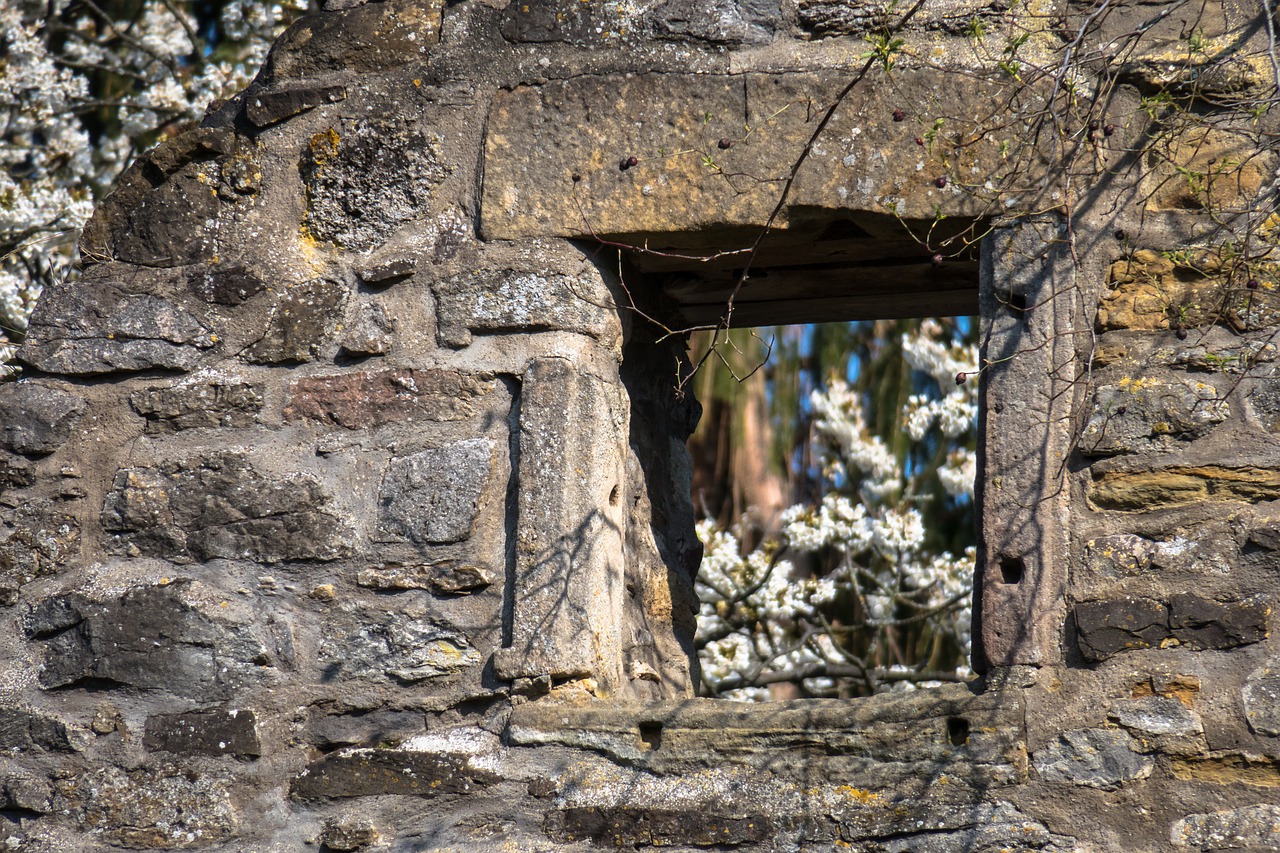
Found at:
[713, 152]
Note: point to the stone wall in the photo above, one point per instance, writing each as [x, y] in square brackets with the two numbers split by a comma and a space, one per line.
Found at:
[345, 502]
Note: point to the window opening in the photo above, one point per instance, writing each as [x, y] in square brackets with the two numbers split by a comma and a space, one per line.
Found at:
[834, 469]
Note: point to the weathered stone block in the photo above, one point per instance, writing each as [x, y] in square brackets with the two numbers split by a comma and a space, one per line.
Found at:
[406, 649]
[15, 472]
[265, 108]
[37, 539]
[388, 272]
[378, 726]
[225, 284]
[832, 18]
[685, 182]
[1261, 695]
[220, 505]
[447, 577]
[729, 22]
[213, 732]
[1203, 624]
[569, 551]
[1126, 555]
[433, 496]
[628, 826]
[1205, 168]
[160, 808]
[1151, 290]
[1106, 628]
[1137, 491]
[1254, 827]
[79, 328]
[36, 420]
[111, 218]
[370, 333]
[376, 772]
[373, 398]
[1135, 415]
[200, 404]
[1156, 715]
[909, 826]
[355, 37]
[1097, 758]
[347, 832]
[24, 730]
[505, 300]
[304, 321]
[365, 177]
[154, 638]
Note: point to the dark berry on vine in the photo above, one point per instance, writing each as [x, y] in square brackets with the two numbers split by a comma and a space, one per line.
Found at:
[1095, 124]
[961, 377]
[1252, 284]
[631, 161]
[624, 164]
[936, 260]
[1182, 334]
[1109, 129]
[724, 143]
[576, 178]
[919, 141]
[899, 115]
[940, 181]
[1120, 235]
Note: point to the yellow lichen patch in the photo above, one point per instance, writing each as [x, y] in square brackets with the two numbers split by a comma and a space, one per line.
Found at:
[860, 795]
[323, 146]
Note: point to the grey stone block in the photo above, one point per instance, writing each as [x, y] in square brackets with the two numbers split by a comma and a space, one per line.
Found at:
[201, 404]
[83, 330]
[433, 496]
[1250, 828]
[153, 638]
[303, 323]
[225, 284]
[221, 505]
[24, 730]
[265, 108]
[1261, 694]
[1096, 758]
[219, 731]
[1156, 715]
[1150, 416]
[377, 772]
[366, 177]
[510, 300]
[36, 420]
[408, 650]
[447, 577]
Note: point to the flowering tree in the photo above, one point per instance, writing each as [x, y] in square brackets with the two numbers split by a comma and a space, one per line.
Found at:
[856, 592]
[84, 88]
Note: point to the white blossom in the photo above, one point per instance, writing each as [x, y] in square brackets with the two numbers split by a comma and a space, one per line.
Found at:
[758, 617]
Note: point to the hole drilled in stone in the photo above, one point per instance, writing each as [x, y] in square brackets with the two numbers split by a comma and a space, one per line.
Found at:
[958, 731]
[1017, 302]
[651, 734]
[1011, 570]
